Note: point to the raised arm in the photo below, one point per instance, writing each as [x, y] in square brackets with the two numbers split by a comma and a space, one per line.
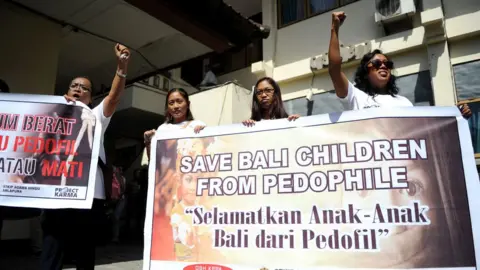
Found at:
[147, 138]
[340, 81]
[118, 84]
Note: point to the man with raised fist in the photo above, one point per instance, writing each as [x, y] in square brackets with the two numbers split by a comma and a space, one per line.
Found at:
[76, 230]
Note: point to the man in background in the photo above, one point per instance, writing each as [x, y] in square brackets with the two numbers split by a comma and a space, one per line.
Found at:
[210, 79]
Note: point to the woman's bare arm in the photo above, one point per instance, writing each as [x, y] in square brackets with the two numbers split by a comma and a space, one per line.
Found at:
[340, 81]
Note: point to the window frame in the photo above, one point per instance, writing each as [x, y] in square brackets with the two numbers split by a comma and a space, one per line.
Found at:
[156, 81]
[166, 84]
[331, 91]
[468, 100]
[418, 75]
[308, 13]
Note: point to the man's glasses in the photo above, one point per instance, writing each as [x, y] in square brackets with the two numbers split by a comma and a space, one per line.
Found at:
[82, 87]
[267, 91]
[378, 63]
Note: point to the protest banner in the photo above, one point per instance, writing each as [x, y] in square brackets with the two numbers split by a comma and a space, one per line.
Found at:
[48, 152]
[390, 189]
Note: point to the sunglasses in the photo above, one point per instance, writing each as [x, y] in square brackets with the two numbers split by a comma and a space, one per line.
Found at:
[378, 63]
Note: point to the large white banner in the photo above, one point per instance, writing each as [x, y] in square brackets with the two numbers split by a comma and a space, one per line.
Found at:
[370, 189]
[48, 152]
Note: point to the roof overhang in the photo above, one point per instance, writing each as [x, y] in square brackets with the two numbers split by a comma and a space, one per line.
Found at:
[160, 33]
[211, 22]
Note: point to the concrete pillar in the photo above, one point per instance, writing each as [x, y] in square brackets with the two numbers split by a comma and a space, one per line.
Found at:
[269, 18]
[442, 74]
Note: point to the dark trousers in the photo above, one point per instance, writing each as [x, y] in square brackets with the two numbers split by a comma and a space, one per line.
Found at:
[74, 231]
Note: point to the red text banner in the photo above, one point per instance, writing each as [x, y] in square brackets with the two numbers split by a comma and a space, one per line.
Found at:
[48, 152]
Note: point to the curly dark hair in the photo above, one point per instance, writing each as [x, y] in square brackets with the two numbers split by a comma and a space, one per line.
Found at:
[361, 77]
[276, 110]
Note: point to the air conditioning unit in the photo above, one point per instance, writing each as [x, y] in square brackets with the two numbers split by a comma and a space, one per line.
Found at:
[387, 11]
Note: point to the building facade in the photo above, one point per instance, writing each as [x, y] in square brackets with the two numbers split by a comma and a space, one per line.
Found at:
[435, 48]
[435, 45]
[45, 44]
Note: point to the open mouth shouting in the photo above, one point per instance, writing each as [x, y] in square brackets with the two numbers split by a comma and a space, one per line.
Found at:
[383, 73]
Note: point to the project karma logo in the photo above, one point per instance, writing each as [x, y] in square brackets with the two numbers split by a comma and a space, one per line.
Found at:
[66, 192]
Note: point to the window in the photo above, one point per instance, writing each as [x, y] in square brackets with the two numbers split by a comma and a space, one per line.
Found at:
[467, 80]
[474, 124]
[291, 11]
[156, 81]
[417, 88]
[166, 84]
[467, 83]
[146, 81]
[321, 103]
[321, 6]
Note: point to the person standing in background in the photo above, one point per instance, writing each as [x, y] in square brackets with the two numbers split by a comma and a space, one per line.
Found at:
[120, 202]
[209, 79]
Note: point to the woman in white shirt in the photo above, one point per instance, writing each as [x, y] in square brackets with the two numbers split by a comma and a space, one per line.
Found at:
[374, 82]
[267, 103]
[177, 116]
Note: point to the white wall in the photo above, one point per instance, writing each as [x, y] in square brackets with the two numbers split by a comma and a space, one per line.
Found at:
[223, 105]
[29, 49]
[243, 76]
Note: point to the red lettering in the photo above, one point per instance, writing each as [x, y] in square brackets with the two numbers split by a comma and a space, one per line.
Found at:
[62, 170]
[80, 170]
[50, 146]
[40, 145]
[30, 145]
[4, 139]
[48, 168]
[19, 140]
[62, 145]
[72, 169]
